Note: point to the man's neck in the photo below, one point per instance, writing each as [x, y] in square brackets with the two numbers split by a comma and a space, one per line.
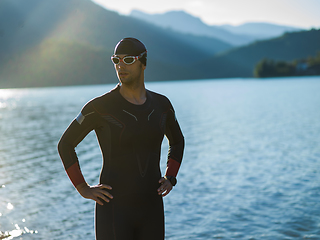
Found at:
[134, 94]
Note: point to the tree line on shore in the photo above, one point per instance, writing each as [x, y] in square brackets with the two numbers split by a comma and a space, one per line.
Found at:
[303, 67]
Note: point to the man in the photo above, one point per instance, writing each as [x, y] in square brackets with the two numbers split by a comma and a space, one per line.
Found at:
[130, 123]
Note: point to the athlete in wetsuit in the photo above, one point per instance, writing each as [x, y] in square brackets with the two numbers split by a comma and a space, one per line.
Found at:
[130, 123]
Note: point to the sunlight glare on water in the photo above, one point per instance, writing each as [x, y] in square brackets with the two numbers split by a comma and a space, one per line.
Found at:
[9, 206]
[6, 93]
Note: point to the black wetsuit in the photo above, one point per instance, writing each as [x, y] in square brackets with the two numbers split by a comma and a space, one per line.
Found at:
[130, 138]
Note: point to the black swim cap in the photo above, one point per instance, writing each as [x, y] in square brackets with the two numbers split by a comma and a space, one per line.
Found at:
[133, 47]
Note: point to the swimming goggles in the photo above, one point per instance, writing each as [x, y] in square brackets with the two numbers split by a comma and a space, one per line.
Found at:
[127, 59]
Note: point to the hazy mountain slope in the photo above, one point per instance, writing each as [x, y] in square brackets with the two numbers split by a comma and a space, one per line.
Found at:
[240, 62]
[26, 27]
[260, 30]
[58, 63]
[26, 23]
[81, 20]
[183, 22]
[105, 28]
[236, 35]
[69, 42]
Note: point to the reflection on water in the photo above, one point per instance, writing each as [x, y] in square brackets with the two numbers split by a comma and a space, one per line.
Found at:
[250, 171]
[16, 233]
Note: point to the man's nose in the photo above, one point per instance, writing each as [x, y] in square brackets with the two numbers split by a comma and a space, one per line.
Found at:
[121, 64]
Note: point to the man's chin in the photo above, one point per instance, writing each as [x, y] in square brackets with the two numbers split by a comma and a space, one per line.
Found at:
[126, 80]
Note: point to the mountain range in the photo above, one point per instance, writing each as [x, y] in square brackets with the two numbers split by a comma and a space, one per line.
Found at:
[181, 21]
[69, 42]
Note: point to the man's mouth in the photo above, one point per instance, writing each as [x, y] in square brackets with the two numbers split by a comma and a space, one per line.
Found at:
[122, 74]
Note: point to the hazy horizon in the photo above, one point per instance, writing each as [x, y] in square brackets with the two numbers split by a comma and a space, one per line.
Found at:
[296, 13]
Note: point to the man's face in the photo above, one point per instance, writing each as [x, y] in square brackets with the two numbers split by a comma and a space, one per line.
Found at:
[129, 74]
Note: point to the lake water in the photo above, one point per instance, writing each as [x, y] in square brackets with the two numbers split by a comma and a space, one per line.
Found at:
[251, 168]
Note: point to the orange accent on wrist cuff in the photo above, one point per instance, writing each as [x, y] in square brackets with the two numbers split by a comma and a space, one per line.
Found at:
[172, 168]
[75, 175]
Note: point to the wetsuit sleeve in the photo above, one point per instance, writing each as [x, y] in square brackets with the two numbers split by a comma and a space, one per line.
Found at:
[176, 144]
[74, 134]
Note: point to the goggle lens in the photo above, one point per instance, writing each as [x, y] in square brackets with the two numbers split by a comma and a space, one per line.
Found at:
[115, 60]
[129, 60]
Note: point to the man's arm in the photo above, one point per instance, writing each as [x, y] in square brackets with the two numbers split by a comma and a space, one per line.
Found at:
[74, 134]
[175, 154]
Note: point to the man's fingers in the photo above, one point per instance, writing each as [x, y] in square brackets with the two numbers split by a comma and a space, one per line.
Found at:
[165, 184]
[166, 193]
[103, 197]
[161, 189]
[107, 194]
[162, 180]
[164, 189]
[99, 194]
[98, 201]
[104, 186]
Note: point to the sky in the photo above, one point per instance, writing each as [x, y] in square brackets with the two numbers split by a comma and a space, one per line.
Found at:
[300, 13]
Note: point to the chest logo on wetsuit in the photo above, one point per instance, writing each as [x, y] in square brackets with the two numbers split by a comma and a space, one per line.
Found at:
[113, 121]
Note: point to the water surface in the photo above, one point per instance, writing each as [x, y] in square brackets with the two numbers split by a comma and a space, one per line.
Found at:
[250, 170]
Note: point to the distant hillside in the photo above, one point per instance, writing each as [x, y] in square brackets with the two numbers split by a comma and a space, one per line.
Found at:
[27, 26]
[185, 23]
[236, 35]
[26, 23]
[260, 30]
[58, 63]
[302, 67]
[69, 42]
[240, 62]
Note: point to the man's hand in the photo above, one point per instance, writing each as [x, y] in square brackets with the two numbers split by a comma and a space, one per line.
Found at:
[95, 193]
[165, 187]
